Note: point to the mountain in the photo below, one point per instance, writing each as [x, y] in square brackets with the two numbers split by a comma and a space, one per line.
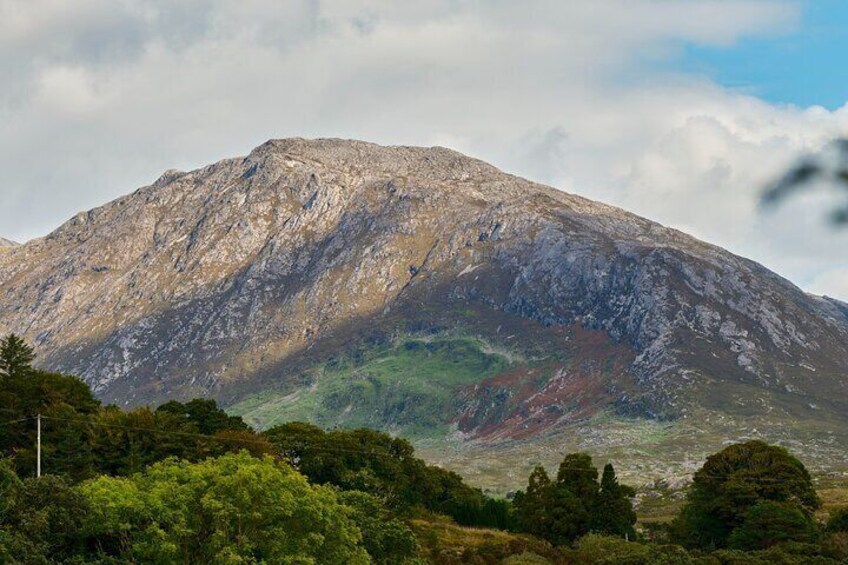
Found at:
[424, 292]
[6, 243]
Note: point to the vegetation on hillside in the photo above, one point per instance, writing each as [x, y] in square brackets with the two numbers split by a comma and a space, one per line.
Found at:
[188, 483]
[408, 387]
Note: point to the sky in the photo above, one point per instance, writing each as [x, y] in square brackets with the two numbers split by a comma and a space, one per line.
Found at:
[678, 110]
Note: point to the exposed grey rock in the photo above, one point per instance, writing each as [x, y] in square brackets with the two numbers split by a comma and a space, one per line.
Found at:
[222, 280]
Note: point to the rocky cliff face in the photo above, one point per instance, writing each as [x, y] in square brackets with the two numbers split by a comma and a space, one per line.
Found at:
[246, 275]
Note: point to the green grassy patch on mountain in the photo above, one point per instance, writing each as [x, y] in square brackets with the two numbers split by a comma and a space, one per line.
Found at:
[407, 387]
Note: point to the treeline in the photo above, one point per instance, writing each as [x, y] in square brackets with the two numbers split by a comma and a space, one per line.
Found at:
[189, 483]
[96, 457]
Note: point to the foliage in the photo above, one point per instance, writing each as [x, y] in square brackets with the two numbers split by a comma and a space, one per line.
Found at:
[526, 558]
[376, 463]
[189, 483]
[769, 523]
[16, 357]
[734, 480]
[81, 439]
[207, 418]
[233, 509]
[830, 166]
[403, 387]
[613, 512]
[838, 521]
[40, 519]
[575, 504]
[446, 543]
[835, 545]
[608, 550]
[62, 399]
[388, 540]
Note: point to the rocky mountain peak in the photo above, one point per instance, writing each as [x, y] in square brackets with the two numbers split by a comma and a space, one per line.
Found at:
[252, 274]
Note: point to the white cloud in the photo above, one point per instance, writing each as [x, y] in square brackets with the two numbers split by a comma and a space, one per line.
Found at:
[833, 282]
[102, 98]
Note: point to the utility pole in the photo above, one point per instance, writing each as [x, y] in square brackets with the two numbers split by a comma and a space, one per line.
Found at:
[38, 450]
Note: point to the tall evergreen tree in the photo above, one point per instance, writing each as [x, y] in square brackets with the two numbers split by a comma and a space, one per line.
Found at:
[16, 357]
[575, 503]
[531, 505]
[613, 514]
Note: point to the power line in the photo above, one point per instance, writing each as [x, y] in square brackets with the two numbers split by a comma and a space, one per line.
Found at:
[264, 442]
[163, 432]
[17, 421]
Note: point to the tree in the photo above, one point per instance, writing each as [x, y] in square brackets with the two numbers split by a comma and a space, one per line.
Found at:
[580, 476]
[734, 480]
[575, 503]
[205, 414]
[16, 357]
[388, 540]
[379, 464]
[613, 514]
[770, 523]
[64, 401]
[40, 519]
[530, 505]
[233, 509]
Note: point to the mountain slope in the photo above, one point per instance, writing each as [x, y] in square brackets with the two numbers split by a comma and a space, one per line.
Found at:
[7, 243]
[286, 279]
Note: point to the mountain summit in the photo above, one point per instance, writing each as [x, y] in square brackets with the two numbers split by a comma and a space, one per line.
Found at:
[415, 289]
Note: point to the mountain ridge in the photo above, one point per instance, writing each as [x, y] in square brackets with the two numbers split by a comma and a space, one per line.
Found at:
[311, 259]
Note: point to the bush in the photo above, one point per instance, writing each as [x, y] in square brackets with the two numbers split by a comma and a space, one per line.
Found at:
[838, 521]
[526, 558]
[835, 546]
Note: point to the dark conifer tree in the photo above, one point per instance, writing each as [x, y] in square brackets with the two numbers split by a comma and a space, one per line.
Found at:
[16, 357]
[613, 514]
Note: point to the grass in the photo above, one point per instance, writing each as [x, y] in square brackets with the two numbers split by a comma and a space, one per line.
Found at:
[646, 454]
[409, 388]
[443, 542]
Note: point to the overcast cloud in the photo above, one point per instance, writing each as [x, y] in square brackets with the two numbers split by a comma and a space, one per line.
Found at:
[99, 97]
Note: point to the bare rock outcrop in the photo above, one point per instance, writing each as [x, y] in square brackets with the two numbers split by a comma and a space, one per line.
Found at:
[237, 276]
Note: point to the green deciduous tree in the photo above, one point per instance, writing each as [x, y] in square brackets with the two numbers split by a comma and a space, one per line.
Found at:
[205, 415]
[40, 519]
[385, 466]
[233, 509]
[388, 540]
[64, 401]
[733, 481]
[770, 523]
